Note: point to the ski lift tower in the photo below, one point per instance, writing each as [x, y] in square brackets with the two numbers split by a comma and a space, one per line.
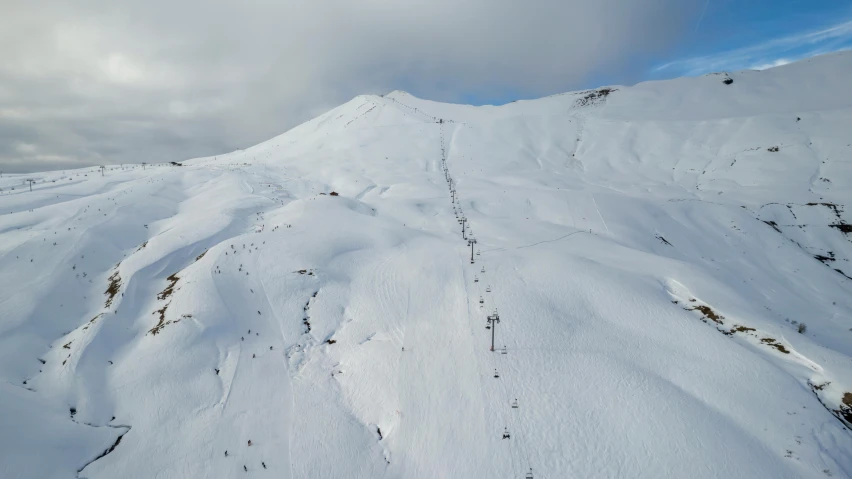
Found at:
[492, 321]
[471, 242]
[463, 220]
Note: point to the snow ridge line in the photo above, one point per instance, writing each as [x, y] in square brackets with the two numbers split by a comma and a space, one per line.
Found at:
[819, 383]
[108, 450]
[415, 110]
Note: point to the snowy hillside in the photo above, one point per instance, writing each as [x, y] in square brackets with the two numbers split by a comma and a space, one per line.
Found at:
[670, 263]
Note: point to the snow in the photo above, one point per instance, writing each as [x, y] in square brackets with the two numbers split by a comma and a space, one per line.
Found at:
[649, 254]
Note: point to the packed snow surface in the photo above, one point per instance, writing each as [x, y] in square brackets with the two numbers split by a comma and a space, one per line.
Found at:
[669, 263]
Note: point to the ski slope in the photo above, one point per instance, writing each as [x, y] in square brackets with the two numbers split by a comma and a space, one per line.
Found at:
[311, 307]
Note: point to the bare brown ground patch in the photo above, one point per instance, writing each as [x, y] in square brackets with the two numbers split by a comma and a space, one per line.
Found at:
[162, 296]
[163, 322]
[711, 315]
[771, 342]
[92, 321]
[741, 329]
[112, 289]
[708, 313]
[844, 409]
[843, 227]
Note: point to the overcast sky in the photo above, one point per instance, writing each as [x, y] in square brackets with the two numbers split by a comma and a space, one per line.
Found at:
[92, 82]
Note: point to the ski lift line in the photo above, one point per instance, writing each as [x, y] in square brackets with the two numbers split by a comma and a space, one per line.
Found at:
[509, 391]
[512, 424]
[509, 414]
[513, 420]
[515, 417]
[516, 450]
[513, 455]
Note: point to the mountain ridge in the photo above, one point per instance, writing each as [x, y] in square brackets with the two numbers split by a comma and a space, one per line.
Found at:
[672, 287]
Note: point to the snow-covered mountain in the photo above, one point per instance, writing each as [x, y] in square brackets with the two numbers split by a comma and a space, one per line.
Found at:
[669, 263]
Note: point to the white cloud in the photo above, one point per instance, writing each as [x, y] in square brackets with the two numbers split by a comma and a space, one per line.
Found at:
[776, 63]
[122, 80]
[121, 69]
[25, 148]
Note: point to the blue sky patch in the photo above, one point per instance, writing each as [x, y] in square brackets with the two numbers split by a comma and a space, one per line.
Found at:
[759, 34]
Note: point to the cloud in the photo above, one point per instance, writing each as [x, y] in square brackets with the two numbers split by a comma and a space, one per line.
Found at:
[771, 53]
[111, 81]
[775, 63]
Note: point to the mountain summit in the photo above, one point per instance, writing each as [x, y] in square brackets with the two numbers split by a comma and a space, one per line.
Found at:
[648, 281]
